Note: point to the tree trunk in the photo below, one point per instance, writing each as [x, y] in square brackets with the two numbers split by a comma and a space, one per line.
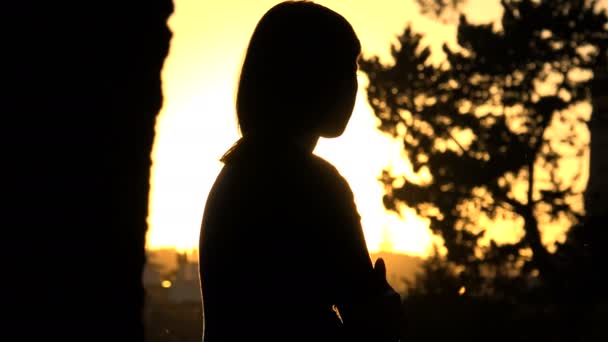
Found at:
[532, 236]
[78, 126]
[596, 199]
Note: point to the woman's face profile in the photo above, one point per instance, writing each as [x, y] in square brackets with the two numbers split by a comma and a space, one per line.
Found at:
[341, 97]
[299, 73]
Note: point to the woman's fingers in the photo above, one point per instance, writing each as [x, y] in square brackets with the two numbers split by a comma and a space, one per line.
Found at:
[380, 270]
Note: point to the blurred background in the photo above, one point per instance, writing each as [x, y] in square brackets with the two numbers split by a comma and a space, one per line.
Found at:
[474, 154]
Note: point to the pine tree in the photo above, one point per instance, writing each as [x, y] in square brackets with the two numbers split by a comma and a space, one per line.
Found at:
[493, 127]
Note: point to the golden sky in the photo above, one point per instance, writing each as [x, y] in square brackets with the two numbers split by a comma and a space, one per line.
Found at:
[197, 122]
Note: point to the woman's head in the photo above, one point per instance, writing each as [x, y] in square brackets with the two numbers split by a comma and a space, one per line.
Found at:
[299, 73]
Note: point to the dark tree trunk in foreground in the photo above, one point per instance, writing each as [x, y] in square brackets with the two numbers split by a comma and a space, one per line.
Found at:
[82, 90]
[596, 202]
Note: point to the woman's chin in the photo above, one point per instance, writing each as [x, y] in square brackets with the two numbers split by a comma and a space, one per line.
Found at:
[334, 132]
[336, 125]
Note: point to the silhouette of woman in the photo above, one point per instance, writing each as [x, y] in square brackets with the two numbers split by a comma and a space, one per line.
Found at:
[282, 252]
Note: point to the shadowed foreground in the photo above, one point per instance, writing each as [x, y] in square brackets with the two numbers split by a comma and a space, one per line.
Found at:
[83, 92]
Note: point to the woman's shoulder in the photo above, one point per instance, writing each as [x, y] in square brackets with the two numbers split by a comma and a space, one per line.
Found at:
[329, 176]
[323, 167]
[284, 166]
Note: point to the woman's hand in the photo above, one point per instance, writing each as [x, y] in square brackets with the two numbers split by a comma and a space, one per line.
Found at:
[377, 316]
[388, 308]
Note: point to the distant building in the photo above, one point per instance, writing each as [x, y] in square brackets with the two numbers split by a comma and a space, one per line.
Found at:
[185, 287]
[151, 276]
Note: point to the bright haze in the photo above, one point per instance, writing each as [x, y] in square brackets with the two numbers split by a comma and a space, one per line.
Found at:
[197, 122]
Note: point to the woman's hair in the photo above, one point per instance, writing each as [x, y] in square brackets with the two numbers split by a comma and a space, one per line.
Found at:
[296, 54]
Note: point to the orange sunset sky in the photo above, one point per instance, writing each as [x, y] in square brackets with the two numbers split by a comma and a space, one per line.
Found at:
[197, 122]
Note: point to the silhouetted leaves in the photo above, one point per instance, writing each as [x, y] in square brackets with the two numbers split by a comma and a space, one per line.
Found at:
[443, 10]
[481, 125]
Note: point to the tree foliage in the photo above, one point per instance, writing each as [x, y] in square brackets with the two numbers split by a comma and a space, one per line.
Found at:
[442, 10]
[494, 127]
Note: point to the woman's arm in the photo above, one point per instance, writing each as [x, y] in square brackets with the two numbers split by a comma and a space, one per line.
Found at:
[367, 304]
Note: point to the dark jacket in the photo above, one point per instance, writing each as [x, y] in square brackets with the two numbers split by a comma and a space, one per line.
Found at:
[281, 244]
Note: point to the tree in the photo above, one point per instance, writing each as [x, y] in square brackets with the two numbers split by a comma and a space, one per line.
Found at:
[79, 117]
[442, 10]
[493, 128]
